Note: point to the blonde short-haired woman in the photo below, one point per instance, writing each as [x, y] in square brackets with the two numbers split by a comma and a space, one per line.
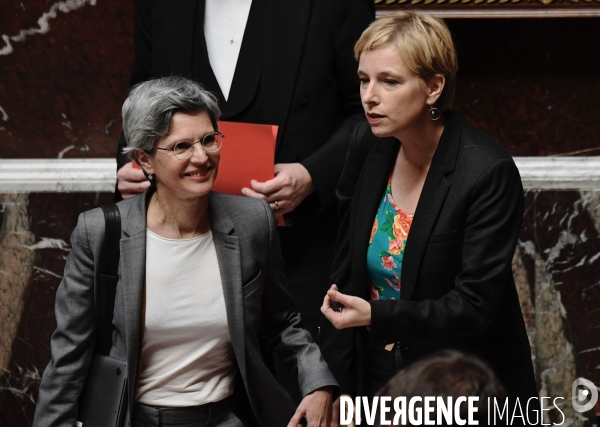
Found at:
[431, 210]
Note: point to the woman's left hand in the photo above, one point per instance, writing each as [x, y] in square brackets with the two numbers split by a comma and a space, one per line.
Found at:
[316, 408]
[354, 311]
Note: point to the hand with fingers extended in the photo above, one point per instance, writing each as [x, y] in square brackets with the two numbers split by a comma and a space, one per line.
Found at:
[131, 181]
[291, 185]
[316, 408]
[345, 311]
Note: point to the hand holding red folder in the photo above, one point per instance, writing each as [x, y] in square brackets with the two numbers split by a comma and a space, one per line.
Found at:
[247, 155]
[292, 183]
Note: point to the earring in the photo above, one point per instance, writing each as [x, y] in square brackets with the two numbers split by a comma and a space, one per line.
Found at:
[434, 113]
[150, 177]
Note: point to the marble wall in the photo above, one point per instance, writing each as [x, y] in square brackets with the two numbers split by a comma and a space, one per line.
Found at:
[556, 266]
[64, 72]
[532, 84]
[557, 270]
[34, 243]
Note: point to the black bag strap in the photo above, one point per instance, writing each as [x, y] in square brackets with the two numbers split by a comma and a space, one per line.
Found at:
[108, 275]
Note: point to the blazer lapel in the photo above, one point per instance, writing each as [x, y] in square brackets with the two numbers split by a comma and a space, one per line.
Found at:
[200, 65]
[377, 168]
[228, 254]
[285, 31]
[247, 71]
[133, 271]
[432, 199]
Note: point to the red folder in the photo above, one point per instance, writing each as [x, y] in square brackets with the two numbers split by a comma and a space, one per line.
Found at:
[248, 152]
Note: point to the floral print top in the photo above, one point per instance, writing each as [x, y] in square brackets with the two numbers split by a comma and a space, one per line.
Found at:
[386, 248]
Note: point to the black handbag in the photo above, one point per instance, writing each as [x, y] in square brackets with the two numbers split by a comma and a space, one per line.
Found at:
[103, 400]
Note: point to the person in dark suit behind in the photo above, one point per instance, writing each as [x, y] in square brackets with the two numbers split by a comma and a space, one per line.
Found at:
[201, 288]
[291, 65]
[431, 210]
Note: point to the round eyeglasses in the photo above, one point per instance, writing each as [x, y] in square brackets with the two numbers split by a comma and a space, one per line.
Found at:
[183, 150]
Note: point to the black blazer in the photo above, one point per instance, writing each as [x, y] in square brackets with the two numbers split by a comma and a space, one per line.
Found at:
[457, 285]
[296, 70]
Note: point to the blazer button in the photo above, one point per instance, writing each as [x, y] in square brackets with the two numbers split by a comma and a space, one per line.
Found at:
[303, 101]
[258, 409]
[408, 352]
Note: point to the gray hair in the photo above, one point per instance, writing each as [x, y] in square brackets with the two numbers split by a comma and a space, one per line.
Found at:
[149, 108]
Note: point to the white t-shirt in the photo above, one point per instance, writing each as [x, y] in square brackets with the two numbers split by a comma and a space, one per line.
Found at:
[224, 26]
[187, 357]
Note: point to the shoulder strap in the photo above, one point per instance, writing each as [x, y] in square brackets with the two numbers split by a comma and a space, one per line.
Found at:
[108, 275]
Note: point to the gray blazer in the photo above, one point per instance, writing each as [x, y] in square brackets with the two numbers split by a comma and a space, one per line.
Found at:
[260, 310]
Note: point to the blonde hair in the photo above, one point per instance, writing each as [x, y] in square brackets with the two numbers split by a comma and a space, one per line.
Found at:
[423, 41]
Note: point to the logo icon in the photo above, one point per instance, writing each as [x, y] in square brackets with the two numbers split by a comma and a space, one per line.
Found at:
[585, 395]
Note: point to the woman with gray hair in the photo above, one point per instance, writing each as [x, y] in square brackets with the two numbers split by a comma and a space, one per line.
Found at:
[200, 289]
